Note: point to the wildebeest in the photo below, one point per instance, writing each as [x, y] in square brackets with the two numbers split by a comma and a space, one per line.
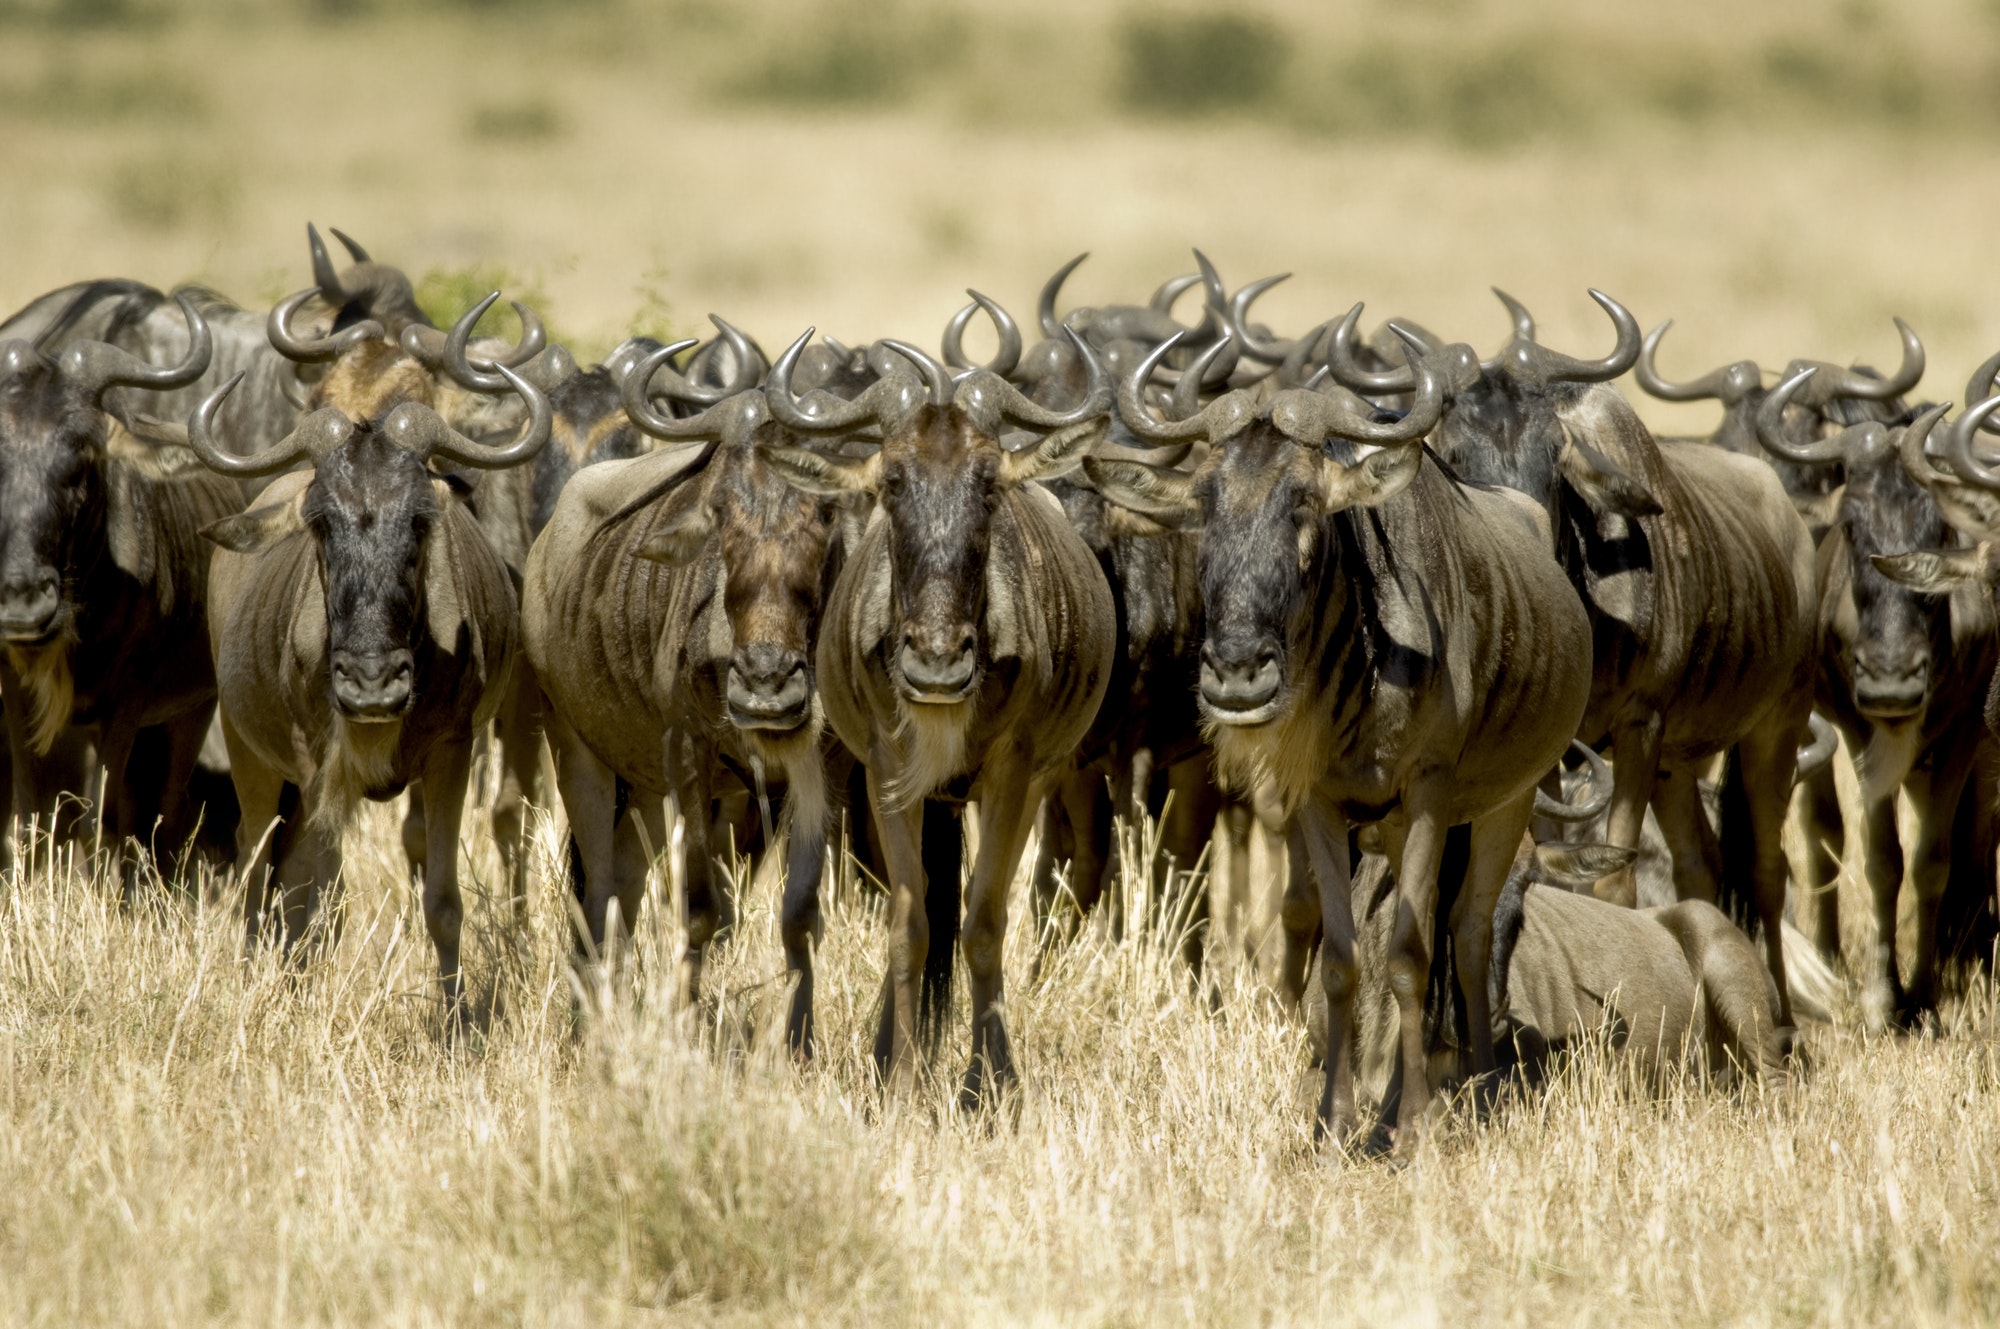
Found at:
[1698, 576]
[1356, 599]
[362, 629]
[1834, 399]
[103, 576]
[968, 639]
[670, 612]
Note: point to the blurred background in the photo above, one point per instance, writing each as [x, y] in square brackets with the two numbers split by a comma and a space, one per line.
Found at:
[1780, 177]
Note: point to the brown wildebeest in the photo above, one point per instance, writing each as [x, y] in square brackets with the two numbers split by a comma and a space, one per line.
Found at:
[1698, 576]
[362, 629]
[670, 611]
[969, 637]
[1357, 600]
[103, 575]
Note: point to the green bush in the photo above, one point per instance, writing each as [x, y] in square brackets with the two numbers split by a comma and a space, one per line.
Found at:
[1191, 64]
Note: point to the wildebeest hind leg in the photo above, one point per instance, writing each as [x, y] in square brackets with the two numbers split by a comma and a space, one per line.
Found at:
[1416, 865]
[1768, 757]
[1496, 837]
[1008, 797]
[589, 793]
[1635, 754]
[520, 738]
[1696, 853]
[444, 807]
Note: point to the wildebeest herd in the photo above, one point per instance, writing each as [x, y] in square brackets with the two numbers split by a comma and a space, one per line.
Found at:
[1402, 600]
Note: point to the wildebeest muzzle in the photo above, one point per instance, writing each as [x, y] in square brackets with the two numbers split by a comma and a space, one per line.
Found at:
[938, 664]
[372, 686]
[767, 688]
[30, 607]
[1240, 684]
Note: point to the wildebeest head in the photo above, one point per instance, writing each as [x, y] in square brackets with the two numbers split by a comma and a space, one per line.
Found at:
[1121, 334]
[371, 511]
[939, 475]
[1277, 471]
[53, 487]
[775, 543]
[1503, 425]
[1834, 399]
[1887, 507]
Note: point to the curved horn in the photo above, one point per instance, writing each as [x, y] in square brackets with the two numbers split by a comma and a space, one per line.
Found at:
[1553, 366]
[315, 436]
[1313, 417]
[1021, 410]
[1045, 305]
[1215, 299]
[1980, 386]
[635, 391]
[1341, 364]
[820, 411]
[1171, 290]
[1770, 418]
[1600, 791]
[1819, 748]
[1138, 414]
[450, 352]
[1958, 445]
[424, 432]
[1729, 384]
[936, 376]
[312, 350]
[96, 366]
[1186, 398]
[1264, 352]
[1006, 359]
[1907, 375]
[325, 278]
[354, 251]
[1517, 313]
[1916, 456]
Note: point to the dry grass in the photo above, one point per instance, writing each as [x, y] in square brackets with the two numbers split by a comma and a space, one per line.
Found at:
[188, 1137]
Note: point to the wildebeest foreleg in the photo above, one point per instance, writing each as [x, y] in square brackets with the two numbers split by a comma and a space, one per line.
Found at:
[1320, 831]
[445, 774]
[799, 922]
[691, 791]
[1416, 865]
[590, 795]
[1008, 796]
[1882, 864]
[1299, 918]
[1696, 853]
[1934, 794]
[259, 791]
[1496, 838]
[520, 737]
[900, 832]
[1635, 754]
[1825, 831]
[1769, 756]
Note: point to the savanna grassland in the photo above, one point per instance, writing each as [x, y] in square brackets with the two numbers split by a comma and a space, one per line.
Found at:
[189, 1137]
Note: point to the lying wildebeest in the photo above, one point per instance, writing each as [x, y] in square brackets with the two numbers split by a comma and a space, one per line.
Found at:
[1698, 576]
[103, 575]
[1834, 399]
[670, 612]
[1357, 603]
[362, 629]
[969, 637]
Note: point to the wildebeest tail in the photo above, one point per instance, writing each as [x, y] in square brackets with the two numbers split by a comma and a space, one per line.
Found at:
[944, 872]
[1736, 893]
[1508, 916]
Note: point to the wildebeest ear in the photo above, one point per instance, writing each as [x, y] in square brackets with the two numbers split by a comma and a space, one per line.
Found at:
[1375, 479]
[1578, 866]
[817, 473]
[259, 528]
[1054, 455]
[1938, 571]
[1602, 483]
[1159, 492]
[1967, 508]
[680, 537]
[1122, 523]
[444, 598]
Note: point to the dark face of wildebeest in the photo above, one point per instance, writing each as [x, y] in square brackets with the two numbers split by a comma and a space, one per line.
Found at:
[939, 476]
[1261, 499]
[53, 498]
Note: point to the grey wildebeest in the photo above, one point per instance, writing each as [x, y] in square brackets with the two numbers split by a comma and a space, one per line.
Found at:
[966, 645]
[1148, 720]
[1383, 644]
[1698, 576]
[103, 575]
[362, 629]
[670, 611]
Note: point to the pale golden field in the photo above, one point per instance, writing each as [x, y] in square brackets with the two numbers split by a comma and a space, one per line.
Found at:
[186, 1137]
